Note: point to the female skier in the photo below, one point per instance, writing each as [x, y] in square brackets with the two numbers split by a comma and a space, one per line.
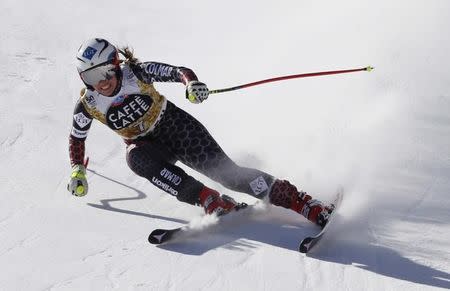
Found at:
[120, 94]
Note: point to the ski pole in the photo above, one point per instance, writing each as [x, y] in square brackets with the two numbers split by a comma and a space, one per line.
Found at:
[368, 69]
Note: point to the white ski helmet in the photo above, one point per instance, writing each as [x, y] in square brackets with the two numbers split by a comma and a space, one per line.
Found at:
[97, 60]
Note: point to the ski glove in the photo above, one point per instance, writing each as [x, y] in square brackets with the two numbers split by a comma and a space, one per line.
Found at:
[196, 92]
[78, 185]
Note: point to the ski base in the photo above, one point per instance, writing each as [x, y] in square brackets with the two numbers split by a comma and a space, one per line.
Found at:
[309, 242]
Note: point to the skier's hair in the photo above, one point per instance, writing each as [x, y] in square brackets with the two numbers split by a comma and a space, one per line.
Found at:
[128, 53]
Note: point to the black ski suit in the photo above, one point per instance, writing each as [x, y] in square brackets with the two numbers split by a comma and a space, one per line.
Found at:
[158, 134]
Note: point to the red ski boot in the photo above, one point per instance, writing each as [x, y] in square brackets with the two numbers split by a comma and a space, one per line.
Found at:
[286, 195]
[212, 202]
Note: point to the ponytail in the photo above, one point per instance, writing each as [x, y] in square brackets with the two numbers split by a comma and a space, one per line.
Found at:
[128, 53]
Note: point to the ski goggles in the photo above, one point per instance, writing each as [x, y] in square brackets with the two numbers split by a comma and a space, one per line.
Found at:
[97, 74]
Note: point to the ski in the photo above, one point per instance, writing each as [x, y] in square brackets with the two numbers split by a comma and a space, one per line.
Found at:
[161, 235]
[309, 242]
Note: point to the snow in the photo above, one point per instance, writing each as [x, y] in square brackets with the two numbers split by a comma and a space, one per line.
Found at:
[384, 136]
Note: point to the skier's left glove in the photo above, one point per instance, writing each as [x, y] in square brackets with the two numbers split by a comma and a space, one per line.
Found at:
[78, 185]
[196, 92]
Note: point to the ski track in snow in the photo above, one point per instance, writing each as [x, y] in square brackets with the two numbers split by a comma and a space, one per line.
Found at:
[12, 138]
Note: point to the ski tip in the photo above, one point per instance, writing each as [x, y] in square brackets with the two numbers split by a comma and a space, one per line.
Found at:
[304, 245]
[369, 68]
[156, 237]
[152, 240]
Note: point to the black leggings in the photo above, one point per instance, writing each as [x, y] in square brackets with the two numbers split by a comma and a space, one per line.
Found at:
[180, 137]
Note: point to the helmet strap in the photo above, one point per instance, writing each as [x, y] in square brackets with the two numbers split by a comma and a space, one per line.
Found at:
[119, 76]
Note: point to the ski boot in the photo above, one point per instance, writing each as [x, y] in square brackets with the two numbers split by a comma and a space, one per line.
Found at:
[213, 202]
[286, 195]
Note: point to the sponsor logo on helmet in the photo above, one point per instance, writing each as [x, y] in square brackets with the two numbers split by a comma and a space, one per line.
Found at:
[89, 52]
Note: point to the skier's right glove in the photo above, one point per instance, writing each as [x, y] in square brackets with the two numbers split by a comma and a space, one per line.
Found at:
[78, 185]
[196, 92]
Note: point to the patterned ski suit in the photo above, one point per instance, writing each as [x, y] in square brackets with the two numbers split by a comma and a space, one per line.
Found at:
[158, 134]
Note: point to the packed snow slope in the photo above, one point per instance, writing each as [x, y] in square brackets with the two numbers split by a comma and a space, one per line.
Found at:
[384, 136]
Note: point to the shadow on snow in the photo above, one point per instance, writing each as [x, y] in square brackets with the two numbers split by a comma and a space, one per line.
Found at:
[106, 203]
[276, 227]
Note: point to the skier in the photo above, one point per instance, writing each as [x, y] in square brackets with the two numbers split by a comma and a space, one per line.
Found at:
[120, 94]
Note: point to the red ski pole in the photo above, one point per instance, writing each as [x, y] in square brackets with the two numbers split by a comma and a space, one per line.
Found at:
[368, 69]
